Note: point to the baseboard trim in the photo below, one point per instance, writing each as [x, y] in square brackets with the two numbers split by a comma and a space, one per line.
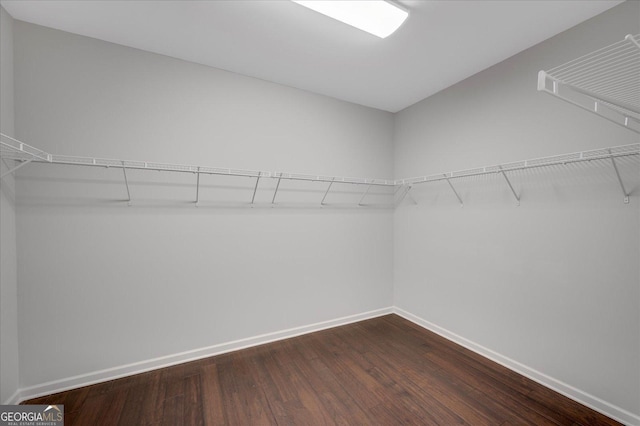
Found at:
[584, 398]
[192, 355]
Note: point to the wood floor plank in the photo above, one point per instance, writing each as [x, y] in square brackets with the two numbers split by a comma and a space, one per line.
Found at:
[384, 371]
[102, 408]
[75, 399]
[173, 411]
[374, 394]
[244, 400]
[423, 385]
[193, 414]
[213, 410]
[569, 408]
[154, 396]
[502, 394]
[484, 375]
[439, 344]
[131, 413]
[307, 405]
[342, 406]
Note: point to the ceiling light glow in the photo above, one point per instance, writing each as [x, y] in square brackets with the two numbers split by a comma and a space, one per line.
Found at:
[378, 17]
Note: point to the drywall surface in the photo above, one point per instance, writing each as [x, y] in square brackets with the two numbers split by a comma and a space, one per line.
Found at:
[103, 284]
[553, 284]
[8, 261]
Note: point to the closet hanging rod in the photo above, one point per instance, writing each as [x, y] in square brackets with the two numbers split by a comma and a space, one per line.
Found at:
[563, 159]
[17, 150]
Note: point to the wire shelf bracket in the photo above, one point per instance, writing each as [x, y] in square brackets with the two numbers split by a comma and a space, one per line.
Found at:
[126, 182]
[13, 149]
[513, 191]
[13, 169]
[605, 82]
[197, 187]
[624, 191]
[446, 177]
[326, 193]
[273, 200]
[403, 194]
[255, 189]
[366, 191]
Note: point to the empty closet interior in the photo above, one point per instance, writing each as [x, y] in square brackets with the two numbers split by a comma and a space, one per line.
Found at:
[157, 210]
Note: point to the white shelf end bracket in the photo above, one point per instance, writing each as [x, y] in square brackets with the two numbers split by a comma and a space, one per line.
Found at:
[126, 182]
[198, 186]
[273, 200]
[589, 101]
[10, 171]
[364, 195]
[403, 194]
[454, 190]
[255, 189]
[327, 192]
[513, 191]
[624, 191]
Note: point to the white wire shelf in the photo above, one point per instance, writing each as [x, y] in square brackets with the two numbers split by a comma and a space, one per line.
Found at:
[605, 82]
[584, 156]
[13, 149]
[562, 159]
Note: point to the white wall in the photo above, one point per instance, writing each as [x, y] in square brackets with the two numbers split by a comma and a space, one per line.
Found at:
[553, 284]
[8, 265]
[103, 284]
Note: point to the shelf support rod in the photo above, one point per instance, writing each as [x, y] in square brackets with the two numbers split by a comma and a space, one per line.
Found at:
[273, 200]
[24, 163]
[327, 191]
[198, 186]
[255, 189]
[454, 190]
[513, 191]
[615, 167]
[364, 195]
[404, 194]
[126, 182]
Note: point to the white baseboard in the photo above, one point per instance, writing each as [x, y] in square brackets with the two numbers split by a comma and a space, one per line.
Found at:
[192, 355]
[569, 391]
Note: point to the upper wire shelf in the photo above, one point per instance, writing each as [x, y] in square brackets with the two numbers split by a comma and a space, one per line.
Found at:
[605, 82]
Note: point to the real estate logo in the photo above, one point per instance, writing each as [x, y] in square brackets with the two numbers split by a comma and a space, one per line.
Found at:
[31, 415]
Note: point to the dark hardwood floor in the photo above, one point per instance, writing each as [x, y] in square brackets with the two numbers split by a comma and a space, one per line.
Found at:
[383, 371]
